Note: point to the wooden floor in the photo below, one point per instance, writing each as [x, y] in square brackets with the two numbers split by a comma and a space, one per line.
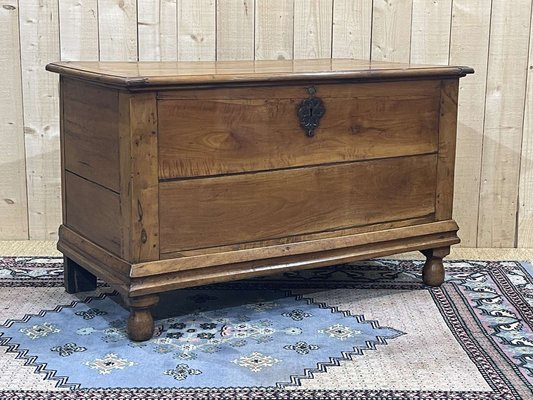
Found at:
[48, 248]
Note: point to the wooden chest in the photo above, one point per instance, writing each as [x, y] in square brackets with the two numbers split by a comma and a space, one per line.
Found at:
[183, 174]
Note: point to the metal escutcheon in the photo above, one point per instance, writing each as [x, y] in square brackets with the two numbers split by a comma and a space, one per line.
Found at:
[310, 111]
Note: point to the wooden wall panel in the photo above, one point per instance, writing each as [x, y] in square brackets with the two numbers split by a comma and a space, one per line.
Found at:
[525, 190]
[196, 30]
[506, 80]
[157, 30]
[430, 32]
[391, 30]
[469, 45]
[117, 24]
[13, 198]
[235, 29]
[352, 29]
[312, 28]
[274, 29]
[493, 200]
[79, 30]
[39, 33]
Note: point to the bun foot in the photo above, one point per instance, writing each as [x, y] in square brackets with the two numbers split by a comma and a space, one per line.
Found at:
[140, 321]
[433, 271]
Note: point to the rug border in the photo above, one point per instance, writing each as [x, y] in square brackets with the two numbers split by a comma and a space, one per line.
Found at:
[246, 393]
[249, 392]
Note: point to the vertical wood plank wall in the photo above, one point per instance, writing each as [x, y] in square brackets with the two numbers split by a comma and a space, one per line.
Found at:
[494, 173]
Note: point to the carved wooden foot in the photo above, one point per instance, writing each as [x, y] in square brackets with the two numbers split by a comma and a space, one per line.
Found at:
[433, 271]
[140, 321]
[76, 278]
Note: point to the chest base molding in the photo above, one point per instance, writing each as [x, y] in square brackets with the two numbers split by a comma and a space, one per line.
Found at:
[139, 279]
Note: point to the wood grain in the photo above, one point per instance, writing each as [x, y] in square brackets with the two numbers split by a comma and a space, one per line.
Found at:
[235, 29]
[93, 211]
[117, 30]
[245, 192]
[139, 181]
[312, 29]
[95, 259]
[318, 244]
[235, 209]
[13, 196]
[385, 226]
[352, 29]
[504, 115]
[391, 30]
[263, 132]
[62, 150]
[78, 20]
[469, 43]
[171, 75]
[90, 132]
[411, 89]
[39, 41]
[274, 25]
[446, 155]
[444, 237]
[196, 30]
[157, 30]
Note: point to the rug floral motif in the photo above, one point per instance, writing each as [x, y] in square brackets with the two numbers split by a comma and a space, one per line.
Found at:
[259, 338]
[263, 340]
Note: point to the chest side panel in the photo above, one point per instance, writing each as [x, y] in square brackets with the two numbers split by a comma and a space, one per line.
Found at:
[90, 132]
[93, 211]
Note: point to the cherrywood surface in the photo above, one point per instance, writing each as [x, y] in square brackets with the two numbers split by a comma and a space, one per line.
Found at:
[384, 226]
[433, 273]
[101, 262]
[245, 129]
[337, 89]
[242, 208]
[140, 320]
[95, 259]
[229, 272]
[168, 73]
[62, 149]
[173, 178]
[93, 211]
[447, 140]
[341, 241]
[90, 132]
[139, 181]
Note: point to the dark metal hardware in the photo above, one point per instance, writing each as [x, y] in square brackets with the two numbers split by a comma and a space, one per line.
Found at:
[310, 111]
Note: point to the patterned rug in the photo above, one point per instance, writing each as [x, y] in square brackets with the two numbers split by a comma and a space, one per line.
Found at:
[354, 331]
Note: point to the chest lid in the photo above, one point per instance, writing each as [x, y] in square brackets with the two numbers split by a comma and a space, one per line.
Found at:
[146, 75]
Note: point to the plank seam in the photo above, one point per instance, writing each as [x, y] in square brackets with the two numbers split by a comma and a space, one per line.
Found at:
[484, 125]
[23, 119]
[517, 214]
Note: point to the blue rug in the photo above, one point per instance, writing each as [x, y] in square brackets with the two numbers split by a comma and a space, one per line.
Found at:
[254, 337]
[267, 337]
